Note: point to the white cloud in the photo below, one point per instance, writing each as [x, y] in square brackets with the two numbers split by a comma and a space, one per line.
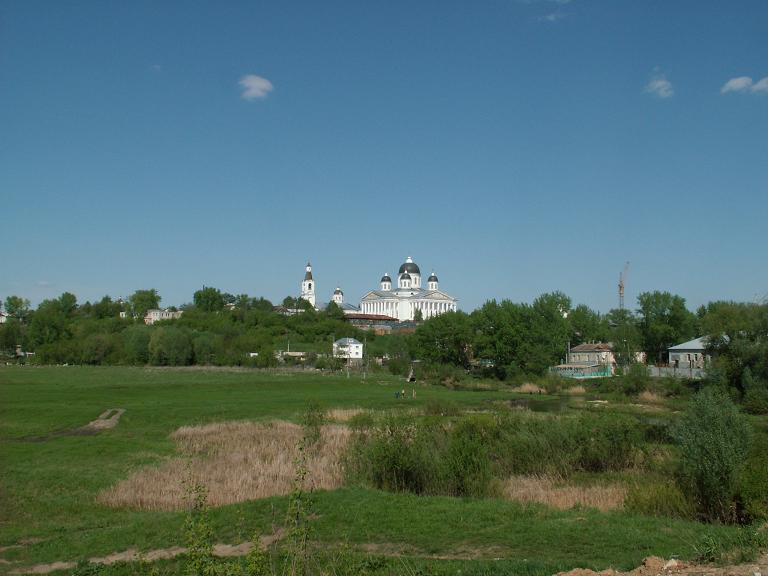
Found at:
[745, 84]
[740, 84]
[659, 86]
[552, 16]
[255, 87]
[760, 85]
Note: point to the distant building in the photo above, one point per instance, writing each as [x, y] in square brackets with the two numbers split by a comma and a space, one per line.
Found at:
[691, 354]
[346, 307]
[3, 317]
[409, 298]
[592, 353]
[348, 348]
[158, 315]
[308, 286]
[589, 360]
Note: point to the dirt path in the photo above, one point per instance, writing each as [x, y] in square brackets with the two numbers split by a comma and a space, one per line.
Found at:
[133, 555]
[652, 566]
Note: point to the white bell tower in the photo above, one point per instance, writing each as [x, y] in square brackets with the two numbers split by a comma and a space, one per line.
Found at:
[308, 286]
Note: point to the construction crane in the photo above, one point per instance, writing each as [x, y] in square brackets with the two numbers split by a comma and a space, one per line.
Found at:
[622, 279]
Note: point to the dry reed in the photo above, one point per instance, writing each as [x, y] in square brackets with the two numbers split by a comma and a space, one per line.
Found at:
[529, 388]
[575, 390]
[235, 461]
[343, 414]
[550, 491]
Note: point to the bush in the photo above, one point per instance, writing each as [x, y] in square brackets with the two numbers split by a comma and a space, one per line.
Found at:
[714, 441]
[635, 380]
[468, 463]
[658, 499]
[437, 407]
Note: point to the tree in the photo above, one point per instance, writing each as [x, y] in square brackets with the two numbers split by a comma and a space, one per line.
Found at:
[170, 346]
[333, 311]
[664, 322]
[625, 335]
[445, 339]
[714, 440]
[17, 306]
[586, 325]
[143, 300]
[209, 300]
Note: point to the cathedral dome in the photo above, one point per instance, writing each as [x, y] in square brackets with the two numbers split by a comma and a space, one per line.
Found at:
[405, 275]
[386, 278]
[432, 278]
[409, 266]
[338, 291]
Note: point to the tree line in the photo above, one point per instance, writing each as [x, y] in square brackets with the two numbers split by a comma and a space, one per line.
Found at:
[507, 339]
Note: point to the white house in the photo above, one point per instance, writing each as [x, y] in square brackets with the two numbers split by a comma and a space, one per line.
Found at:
[348, 348]
[691, 354]
[3, 317]
[157, 315]
[409, 297]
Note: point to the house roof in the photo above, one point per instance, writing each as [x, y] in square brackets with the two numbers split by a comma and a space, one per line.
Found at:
[347, 342]
[699, 343]
[593, 347]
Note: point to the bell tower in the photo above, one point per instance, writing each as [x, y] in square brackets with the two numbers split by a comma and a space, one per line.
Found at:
[308, 286]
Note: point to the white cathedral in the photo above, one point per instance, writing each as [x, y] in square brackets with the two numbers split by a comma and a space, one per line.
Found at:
[401, 303]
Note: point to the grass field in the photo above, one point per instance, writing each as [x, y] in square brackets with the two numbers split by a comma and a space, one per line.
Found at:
[51, 476]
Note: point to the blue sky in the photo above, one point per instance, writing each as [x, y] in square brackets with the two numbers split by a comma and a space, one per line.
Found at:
[515, 147]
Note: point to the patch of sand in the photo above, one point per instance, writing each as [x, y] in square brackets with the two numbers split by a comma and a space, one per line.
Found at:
[106, 420]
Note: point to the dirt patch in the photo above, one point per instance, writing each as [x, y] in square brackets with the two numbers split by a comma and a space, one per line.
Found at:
[133, 555]
[235, 461]
[553, 492]
[106, 420]
[45, 568]
[655, 566]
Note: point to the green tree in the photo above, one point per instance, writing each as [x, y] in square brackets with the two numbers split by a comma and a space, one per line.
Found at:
[445, 339]
[625, 335]
[714, 442]
[586, 325]
[143, 300]
[664, 322]
[136, 342]
[17, 306]
[209, 300]
[170, 346]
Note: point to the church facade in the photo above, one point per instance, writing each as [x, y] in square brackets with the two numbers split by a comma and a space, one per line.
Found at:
[403, 301]
[409, 297]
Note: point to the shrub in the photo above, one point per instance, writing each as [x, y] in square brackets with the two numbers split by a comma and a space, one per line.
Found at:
[606, 442]
[437, 407]
[635, 380]
[468, 464]
[658, 499]
[714, 441]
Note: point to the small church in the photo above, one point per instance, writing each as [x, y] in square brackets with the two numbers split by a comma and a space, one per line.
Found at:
[404, 302]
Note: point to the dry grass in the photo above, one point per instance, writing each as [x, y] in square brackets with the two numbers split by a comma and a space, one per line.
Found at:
[650, 397]
[529, 388]
[575, 390]
[344, 414]
[235, 461]
[550, 491]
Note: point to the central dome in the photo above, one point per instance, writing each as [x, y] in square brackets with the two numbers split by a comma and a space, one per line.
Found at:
[409, 266]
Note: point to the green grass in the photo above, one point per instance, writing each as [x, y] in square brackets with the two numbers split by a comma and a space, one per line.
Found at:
[48, 482]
